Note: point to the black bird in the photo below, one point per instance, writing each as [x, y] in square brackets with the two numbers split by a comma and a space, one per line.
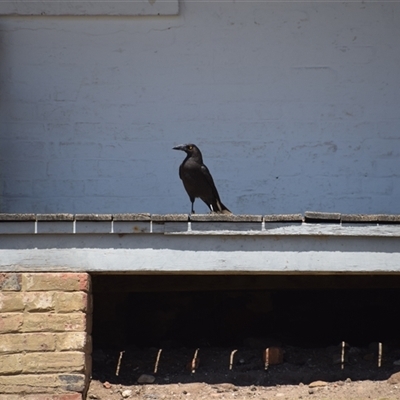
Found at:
[197, 179]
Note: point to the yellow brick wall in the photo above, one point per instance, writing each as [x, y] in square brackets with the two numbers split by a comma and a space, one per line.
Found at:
[45, 335]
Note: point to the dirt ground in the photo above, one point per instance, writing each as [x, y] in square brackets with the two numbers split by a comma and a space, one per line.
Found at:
[305, 373]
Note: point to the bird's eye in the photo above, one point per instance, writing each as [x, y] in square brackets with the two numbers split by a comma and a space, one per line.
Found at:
[190, 147]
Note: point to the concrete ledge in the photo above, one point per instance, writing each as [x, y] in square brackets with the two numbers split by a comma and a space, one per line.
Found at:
[283, 218]
[290, 249]
[55, 217]
[17, 217]
[311, 216]
[145, 243]
[369, 218]
[93, 217]
[226, 226]
[312, 223]
[131, 217]
[169, 217]
[225, 218]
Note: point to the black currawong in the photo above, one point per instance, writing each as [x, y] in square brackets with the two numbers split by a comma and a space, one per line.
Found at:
[198, 181]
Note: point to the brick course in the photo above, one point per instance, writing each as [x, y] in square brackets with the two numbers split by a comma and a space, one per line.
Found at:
[10, 322]
[43, 383]
[45, 326]
[11, 301]
[64, 282]
[35, 342]
[52, 322]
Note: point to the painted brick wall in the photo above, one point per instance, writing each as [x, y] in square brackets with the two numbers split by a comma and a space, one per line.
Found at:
[294, 105]
[45, 327]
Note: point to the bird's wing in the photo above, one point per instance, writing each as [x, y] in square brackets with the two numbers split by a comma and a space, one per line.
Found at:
[181, 174]
[210, 180]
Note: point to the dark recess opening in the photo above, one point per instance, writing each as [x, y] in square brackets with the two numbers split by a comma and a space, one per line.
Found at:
[244, 311]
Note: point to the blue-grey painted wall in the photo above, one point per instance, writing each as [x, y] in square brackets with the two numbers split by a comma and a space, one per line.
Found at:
[296, 106]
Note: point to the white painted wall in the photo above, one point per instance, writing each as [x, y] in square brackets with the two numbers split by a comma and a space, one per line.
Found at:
[294, 105]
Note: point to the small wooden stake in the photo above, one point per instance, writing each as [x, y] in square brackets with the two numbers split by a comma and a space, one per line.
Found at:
[231, 359]
[379, 354]
[194, 361]
[266, 364]
[121, 353]
[342, 356]
[157, 361]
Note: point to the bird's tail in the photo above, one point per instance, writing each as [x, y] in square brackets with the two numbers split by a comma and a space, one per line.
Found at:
[219, 207]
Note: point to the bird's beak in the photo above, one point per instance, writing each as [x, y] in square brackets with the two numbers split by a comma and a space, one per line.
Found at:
[181, 147]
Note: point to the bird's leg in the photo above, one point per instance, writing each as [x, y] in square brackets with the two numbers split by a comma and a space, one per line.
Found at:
[192, 211]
